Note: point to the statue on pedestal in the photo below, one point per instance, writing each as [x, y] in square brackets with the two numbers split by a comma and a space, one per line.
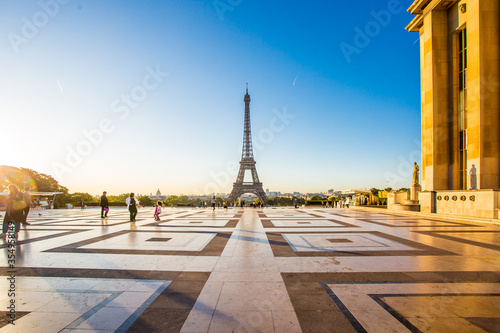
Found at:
[415, 173]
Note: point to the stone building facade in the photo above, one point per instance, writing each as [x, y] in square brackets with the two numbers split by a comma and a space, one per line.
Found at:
[460, 101]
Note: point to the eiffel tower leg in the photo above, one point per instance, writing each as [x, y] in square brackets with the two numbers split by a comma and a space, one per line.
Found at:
[261, 194]
[235, 193]
[241, 174]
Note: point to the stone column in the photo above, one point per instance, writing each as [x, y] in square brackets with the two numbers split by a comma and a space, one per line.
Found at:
[434, 58]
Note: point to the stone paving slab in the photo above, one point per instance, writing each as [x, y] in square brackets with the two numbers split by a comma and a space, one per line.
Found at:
[251, 270]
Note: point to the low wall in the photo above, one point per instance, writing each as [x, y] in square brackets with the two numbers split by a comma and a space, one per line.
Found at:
[427, 201]
[396, 198]
[475, 203]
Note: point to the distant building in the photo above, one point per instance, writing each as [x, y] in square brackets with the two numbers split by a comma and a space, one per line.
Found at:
[158, 196]
[272, 194]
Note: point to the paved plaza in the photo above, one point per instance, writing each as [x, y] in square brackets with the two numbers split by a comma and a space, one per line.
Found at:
[251, 270]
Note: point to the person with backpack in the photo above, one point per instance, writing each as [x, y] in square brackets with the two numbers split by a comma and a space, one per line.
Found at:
[132, 204]
[15, 210]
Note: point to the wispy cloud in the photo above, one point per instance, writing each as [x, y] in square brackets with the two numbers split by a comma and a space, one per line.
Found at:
[60, 87]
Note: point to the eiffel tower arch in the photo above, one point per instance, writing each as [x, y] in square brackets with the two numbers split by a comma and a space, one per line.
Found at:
[247, 162]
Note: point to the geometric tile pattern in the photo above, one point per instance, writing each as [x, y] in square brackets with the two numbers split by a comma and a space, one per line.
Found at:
[348, 242]
[311, 223]
[399, 302]
[415, 306]
[363, 243]
[246, 270]
[81, 303]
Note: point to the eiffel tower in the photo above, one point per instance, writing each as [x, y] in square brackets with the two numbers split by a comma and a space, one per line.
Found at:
[247, 163]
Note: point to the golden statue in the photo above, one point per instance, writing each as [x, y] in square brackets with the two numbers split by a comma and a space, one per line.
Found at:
[415, 173]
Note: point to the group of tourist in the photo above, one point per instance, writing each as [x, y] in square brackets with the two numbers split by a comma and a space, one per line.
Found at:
[18, 207]
[132, 205]
[131, 202]
[214, 202]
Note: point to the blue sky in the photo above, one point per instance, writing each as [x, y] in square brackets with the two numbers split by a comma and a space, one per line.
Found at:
[320, 120]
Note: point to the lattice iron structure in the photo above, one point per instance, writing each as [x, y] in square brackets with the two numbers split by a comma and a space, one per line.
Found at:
[247, 162]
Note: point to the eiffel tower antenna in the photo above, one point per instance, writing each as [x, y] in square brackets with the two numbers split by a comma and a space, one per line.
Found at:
[247, 162]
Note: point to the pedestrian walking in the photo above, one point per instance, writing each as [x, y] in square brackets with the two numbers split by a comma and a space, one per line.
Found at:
[157, 211]
[15, 211]
[29, 204]
[213, 203]
[104, 205]
[132, 205]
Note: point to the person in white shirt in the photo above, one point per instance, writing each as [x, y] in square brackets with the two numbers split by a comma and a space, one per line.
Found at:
[132, 204]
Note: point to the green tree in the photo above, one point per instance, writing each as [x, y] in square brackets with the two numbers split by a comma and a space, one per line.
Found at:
[316, 197]
[145, 201]
[118, 199]
[172, 200]
[39, 182]
[374, 191]
[75, 199]
[22, 177]
[183, 200]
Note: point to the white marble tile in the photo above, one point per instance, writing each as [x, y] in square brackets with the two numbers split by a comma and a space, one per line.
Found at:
[74, 302]
[198, 321]
[285, 322]
[107, 318]
[241, 321]
[41, 322]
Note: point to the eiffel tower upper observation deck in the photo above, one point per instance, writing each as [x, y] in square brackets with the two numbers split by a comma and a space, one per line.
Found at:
[247, 162]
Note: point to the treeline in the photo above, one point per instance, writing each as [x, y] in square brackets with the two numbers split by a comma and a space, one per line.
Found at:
[173, 200]
[40, 182]
[23, 177]
[284, 201]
